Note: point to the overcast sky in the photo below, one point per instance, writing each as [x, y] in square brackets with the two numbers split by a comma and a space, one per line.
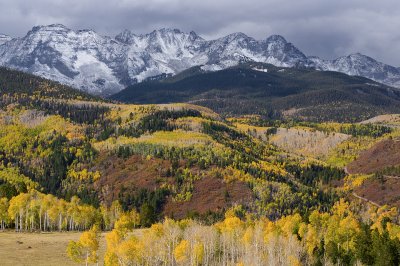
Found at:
[327, 28]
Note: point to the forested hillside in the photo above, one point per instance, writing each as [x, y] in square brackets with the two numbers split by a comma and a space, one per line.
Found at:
[274, 92]
[13, 82]
[204, 188]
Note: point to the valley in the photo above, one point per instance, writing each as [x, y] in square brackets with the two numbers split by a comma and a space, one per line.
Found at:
[209, 184]
[199, 133]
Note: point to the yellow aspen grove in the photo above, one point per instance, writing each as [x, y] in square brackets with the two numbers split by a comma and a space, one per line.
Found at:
[127, 221]
[289, 240]
[231, 230]
[35, 211]
[18, 210]
[383, 213]
[123, 249]
[292, 224]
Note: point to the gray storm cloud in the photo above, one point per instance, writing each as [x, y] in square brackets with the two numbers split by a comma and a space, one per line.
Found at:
[318, 27]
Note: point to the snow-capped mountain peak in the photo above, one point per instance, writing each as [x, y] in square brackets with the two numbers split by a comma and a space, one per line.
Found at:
[276, 39]
[51, 27]
[104, 65]
[357, 64]
[235, 36]
[193, 36]
[125, 37]
[282, 53]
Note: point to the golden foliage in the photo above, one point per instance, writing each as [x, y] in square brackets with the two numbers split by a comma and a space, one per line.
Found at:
[177, 138]
[181, 251]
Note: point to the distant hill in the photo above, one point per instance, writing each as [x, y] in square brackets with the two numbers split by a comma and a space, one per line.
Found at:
[256, 88]
[32, 92]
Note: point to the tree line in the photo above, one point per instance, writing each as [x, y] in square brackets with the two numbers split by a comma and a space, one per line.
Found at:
[339, 236]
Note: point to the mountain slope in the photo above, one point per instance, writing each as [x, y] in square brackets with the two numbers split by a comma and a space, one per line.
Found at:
[19, 84]
[379, 157]
[25, 91]
[104, 65]
[265, 89]
[71, 57]
[361, 65]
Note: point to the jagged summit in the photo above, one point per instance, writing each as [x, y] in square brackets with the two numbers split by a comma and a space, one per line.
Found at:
[4, 38]
[125, 36]
[168, 30]
[104, 65]
[276, 38]
[51, 27]
[193, 35]
[56, 25]
[236, 35]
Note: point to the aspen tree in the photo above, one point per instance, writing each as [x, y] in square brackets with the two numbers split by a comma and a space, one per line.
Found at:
[86, 248]
[18, 209]
[121, 250]
[181, 252]
[113, 239]
[172, 233]
[130, 252]
[231, 230]
[75, 251]
[4, 204]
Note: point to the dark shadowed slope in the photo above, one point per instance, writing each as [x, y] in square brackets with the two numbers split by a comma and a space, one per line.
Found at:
[271, 91]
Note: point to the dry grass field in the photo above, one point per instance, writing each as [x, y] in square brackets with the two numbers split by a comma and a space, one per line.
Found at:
[34, 249]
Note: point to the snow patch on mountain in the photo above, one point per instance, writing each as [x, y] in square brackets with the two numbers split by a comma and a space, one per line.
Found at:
[260, 69]
[4, 38]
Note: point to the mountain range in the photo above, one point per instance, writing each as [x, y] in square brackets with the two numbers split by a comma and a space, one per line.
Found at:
[105, 65]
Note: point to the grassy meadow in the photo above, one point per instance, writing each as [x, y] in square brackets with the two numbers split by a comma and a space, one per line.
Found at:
[32, 249]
